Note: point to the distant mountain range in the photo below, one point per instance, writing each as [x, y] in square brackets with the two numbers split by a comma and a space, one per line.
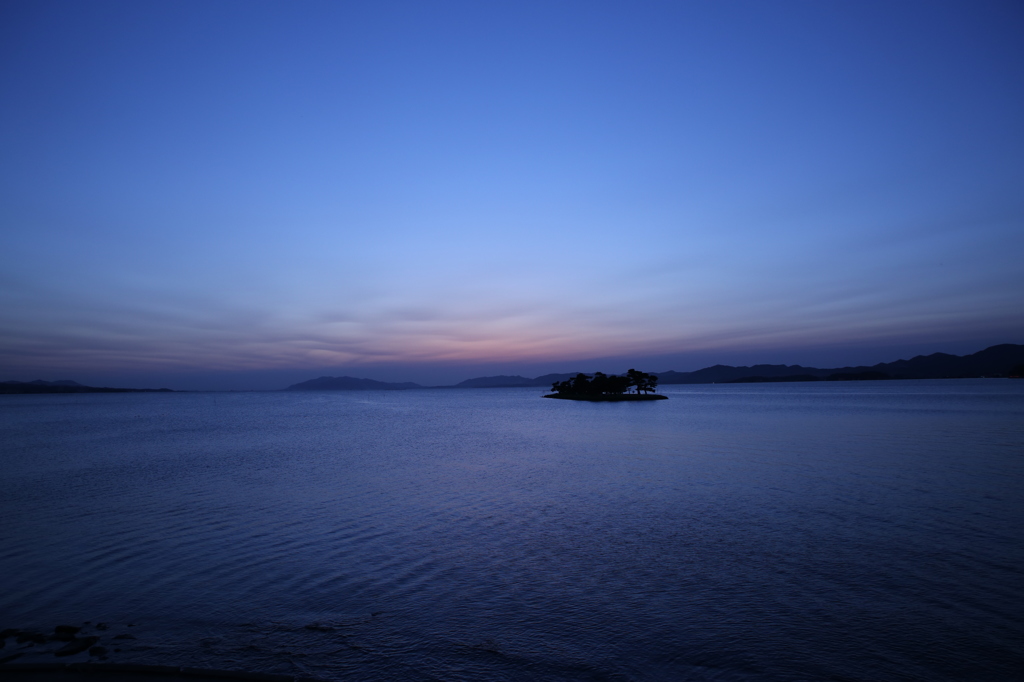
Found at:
[997, 361]
[66, 386]
[992, 362]
[354, 384]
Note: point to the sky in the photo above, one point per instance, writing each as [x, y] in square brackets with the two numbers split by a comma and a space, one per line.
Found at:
[247, 194]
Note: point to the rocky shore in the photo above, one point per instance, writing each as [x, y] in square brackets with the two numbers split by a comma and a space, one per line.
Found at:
[64, 641]
[23, 654]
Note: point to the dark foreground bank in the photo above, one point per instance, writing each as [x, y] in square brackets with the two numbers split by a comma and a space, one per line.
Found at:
[125, 672]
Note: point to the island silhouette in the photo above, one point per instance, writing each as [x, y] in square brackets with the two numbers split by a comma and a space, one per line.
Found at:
[604, 388]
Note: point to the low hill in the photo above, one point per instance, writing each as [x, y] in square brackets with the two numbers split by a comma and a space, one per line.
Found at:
[720, 374]
[349, 384]
[503, 381]
[500, 381]
[66, 386]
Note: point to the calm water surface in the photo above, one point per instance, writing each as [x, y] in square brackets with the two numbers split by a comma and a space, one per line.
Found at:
[860, 531]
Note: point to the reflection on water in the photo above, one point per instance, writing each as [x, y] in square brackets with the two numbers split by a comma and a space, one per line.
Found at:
[762, 532]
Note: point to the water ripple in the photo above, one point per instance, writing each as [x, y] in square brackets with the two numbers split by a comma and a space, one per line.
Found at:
[730, 533]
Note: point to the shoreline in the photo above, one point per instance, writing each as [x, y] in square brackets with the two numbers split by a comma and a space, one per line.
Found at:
[628, 397]
[128, 672]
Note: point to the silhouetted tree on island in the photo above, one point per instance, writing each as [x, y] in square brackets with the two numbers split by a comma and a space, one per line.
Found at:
[602, 384]
[643, 381]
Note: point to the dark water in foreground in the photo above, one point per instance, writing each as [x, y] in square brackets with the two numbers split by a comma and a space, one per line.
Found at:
[870, 531]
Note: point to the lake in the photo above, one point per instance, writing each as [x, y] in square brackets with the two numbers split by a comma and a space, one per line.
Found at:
[844, 531]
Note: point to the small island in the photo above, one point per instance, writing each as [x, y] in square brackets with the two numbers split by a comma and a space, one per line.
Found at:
[604, 388]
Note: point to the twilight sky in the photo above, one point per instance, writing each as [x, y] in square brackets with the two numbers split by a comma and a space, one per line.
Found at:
[244, 194]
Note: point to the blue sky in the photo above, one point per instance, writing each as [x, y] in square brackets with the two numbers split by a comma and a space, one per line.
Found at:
[236, 194]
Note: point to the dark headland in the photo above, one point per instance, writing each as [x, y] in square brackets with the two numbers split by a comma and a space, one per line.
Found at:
[67, 386]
